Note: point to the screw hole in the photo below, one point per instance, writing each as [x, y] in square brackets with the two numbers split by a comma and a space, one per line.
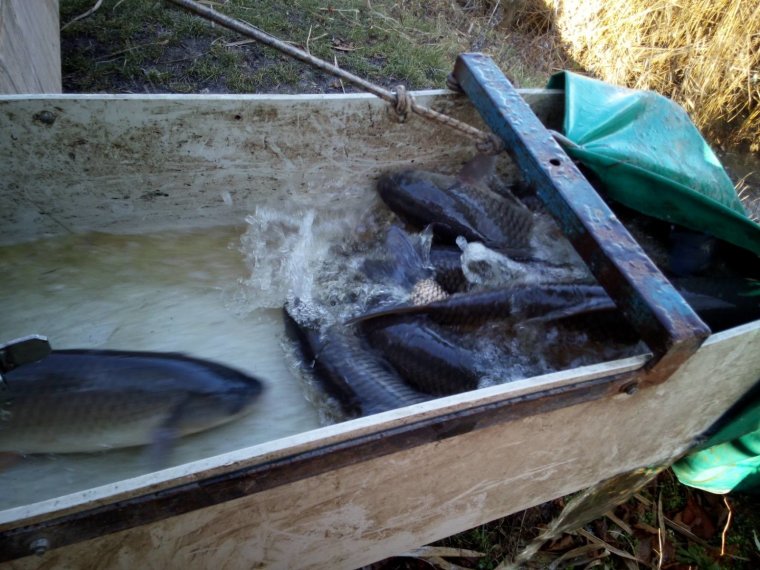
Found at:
[40, 546]
[238, 117]
[554, 161]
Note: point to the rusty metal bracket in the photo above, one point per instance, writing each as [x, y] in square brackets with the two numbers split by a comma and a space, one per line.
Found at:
[666, 323]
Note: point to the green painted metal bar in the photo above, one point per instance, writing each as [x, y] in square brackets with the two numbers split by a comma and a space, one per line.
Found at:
[668, 325]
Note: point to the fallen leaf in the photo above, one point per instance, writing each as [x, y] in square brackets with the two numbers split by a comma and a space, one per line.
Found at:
[696, 519]
[561, 544]
[644, 550]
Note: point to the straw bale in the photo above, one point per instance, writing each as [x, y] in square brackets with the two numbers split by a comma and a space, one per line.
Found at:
[704, 54]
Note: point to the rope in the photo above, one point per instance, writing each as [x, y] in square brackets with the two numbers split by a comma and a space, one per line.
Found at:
[402, 101]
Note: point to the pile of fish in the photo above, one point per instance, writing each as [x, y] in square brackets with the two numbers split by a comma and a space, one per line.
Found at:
[470, 287]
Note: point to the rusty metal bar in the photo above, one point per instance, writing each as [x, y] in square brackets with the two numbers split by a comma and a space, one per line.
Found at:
[671, 329]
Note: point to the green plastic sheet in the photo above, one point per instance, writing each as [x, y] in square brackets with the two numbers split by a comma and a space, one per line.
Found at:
[649, 156]
[731, 460]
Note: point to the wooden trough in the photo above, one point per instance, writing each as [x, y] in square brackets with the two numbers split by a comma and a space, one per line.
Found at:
[352, 493]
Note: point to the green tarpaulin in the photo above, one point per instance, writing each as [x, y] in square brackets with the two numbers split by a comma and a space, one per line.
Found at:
[730, 460]
[649, 156]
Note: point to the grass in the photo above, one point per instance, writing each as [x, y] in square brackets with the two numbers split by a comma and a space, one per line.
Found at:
[138, 45]
[152, 46]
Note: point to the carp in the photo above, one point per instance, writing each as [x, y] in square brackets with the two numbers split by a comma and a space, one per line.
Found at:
[461, 205]
[79, 401]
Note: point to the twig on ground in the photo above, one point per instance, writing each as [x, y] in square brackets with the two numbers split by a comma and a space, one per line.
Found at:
[84, 15]
[443, 552]
[493, 12]
[598, 541]
[622, 524]
[308, 39]
[725, 528]
[109, 57]
[335, 61]
[660, 532]
[574, 553]
[436, 556]
[442, 564]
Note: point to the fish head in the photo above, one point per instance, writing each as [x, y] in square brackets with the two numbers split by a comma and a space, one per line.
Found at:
[231, 397]
[417, 196]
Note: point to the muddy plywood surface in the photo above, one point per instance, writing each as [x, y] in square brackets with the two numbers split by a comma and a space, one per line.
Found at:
[361, 513]
[127, 164]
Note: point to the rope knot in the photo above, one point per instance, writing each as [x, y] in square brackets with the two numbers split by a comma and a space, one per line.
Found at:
[404, 102]
[452, 83]
[490, 144]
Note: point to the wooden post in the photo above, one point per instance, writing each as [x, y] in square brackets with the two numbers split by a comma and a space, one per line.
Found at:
[30, 47]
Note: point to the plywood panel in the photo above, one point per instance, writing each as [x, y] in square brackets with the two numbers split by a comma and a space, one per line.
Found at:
[361, 513]
[30, 51]
[127, 164]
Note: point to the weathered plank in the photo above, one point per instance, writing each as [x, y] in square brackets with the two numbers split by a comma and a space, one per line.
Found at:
[30, 48]
[357, 514]
[126, 164]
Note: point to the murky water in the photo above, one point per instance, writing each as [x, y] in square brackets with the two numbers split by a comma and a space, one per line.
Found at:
[180, 292]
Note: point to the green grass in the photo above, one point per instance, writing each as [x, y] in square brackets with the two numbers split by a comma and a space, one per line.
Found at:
[136, 45]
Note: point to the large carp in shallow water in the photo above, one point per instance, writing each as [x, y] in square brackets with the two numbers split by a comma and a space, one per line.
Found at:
[76, 401]
[461, 205]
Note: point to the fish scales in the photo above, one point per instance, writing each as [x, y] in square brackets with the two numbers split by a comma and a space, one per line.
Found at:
[447, 262]
[425, 358]
[76, 401]
[351, 371]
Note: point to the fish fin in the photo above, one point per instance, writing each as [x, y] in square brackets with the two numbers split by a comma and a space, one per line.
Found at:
[480, 167]
[386, 312]
[161, 445]
[409, 265]
[165, 436]
[405, 259]
[377, 270]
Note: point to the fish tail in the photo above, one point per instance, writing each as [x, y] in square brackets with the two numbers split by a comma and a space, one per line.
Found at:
[404, 263]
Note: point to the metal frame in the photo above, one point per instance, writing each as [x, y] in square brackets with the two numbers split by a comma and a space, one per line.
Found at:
[671, 329]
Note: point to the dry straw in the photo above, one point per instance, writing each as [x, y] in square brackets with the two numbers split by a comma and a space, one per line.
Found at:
[704, 54]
